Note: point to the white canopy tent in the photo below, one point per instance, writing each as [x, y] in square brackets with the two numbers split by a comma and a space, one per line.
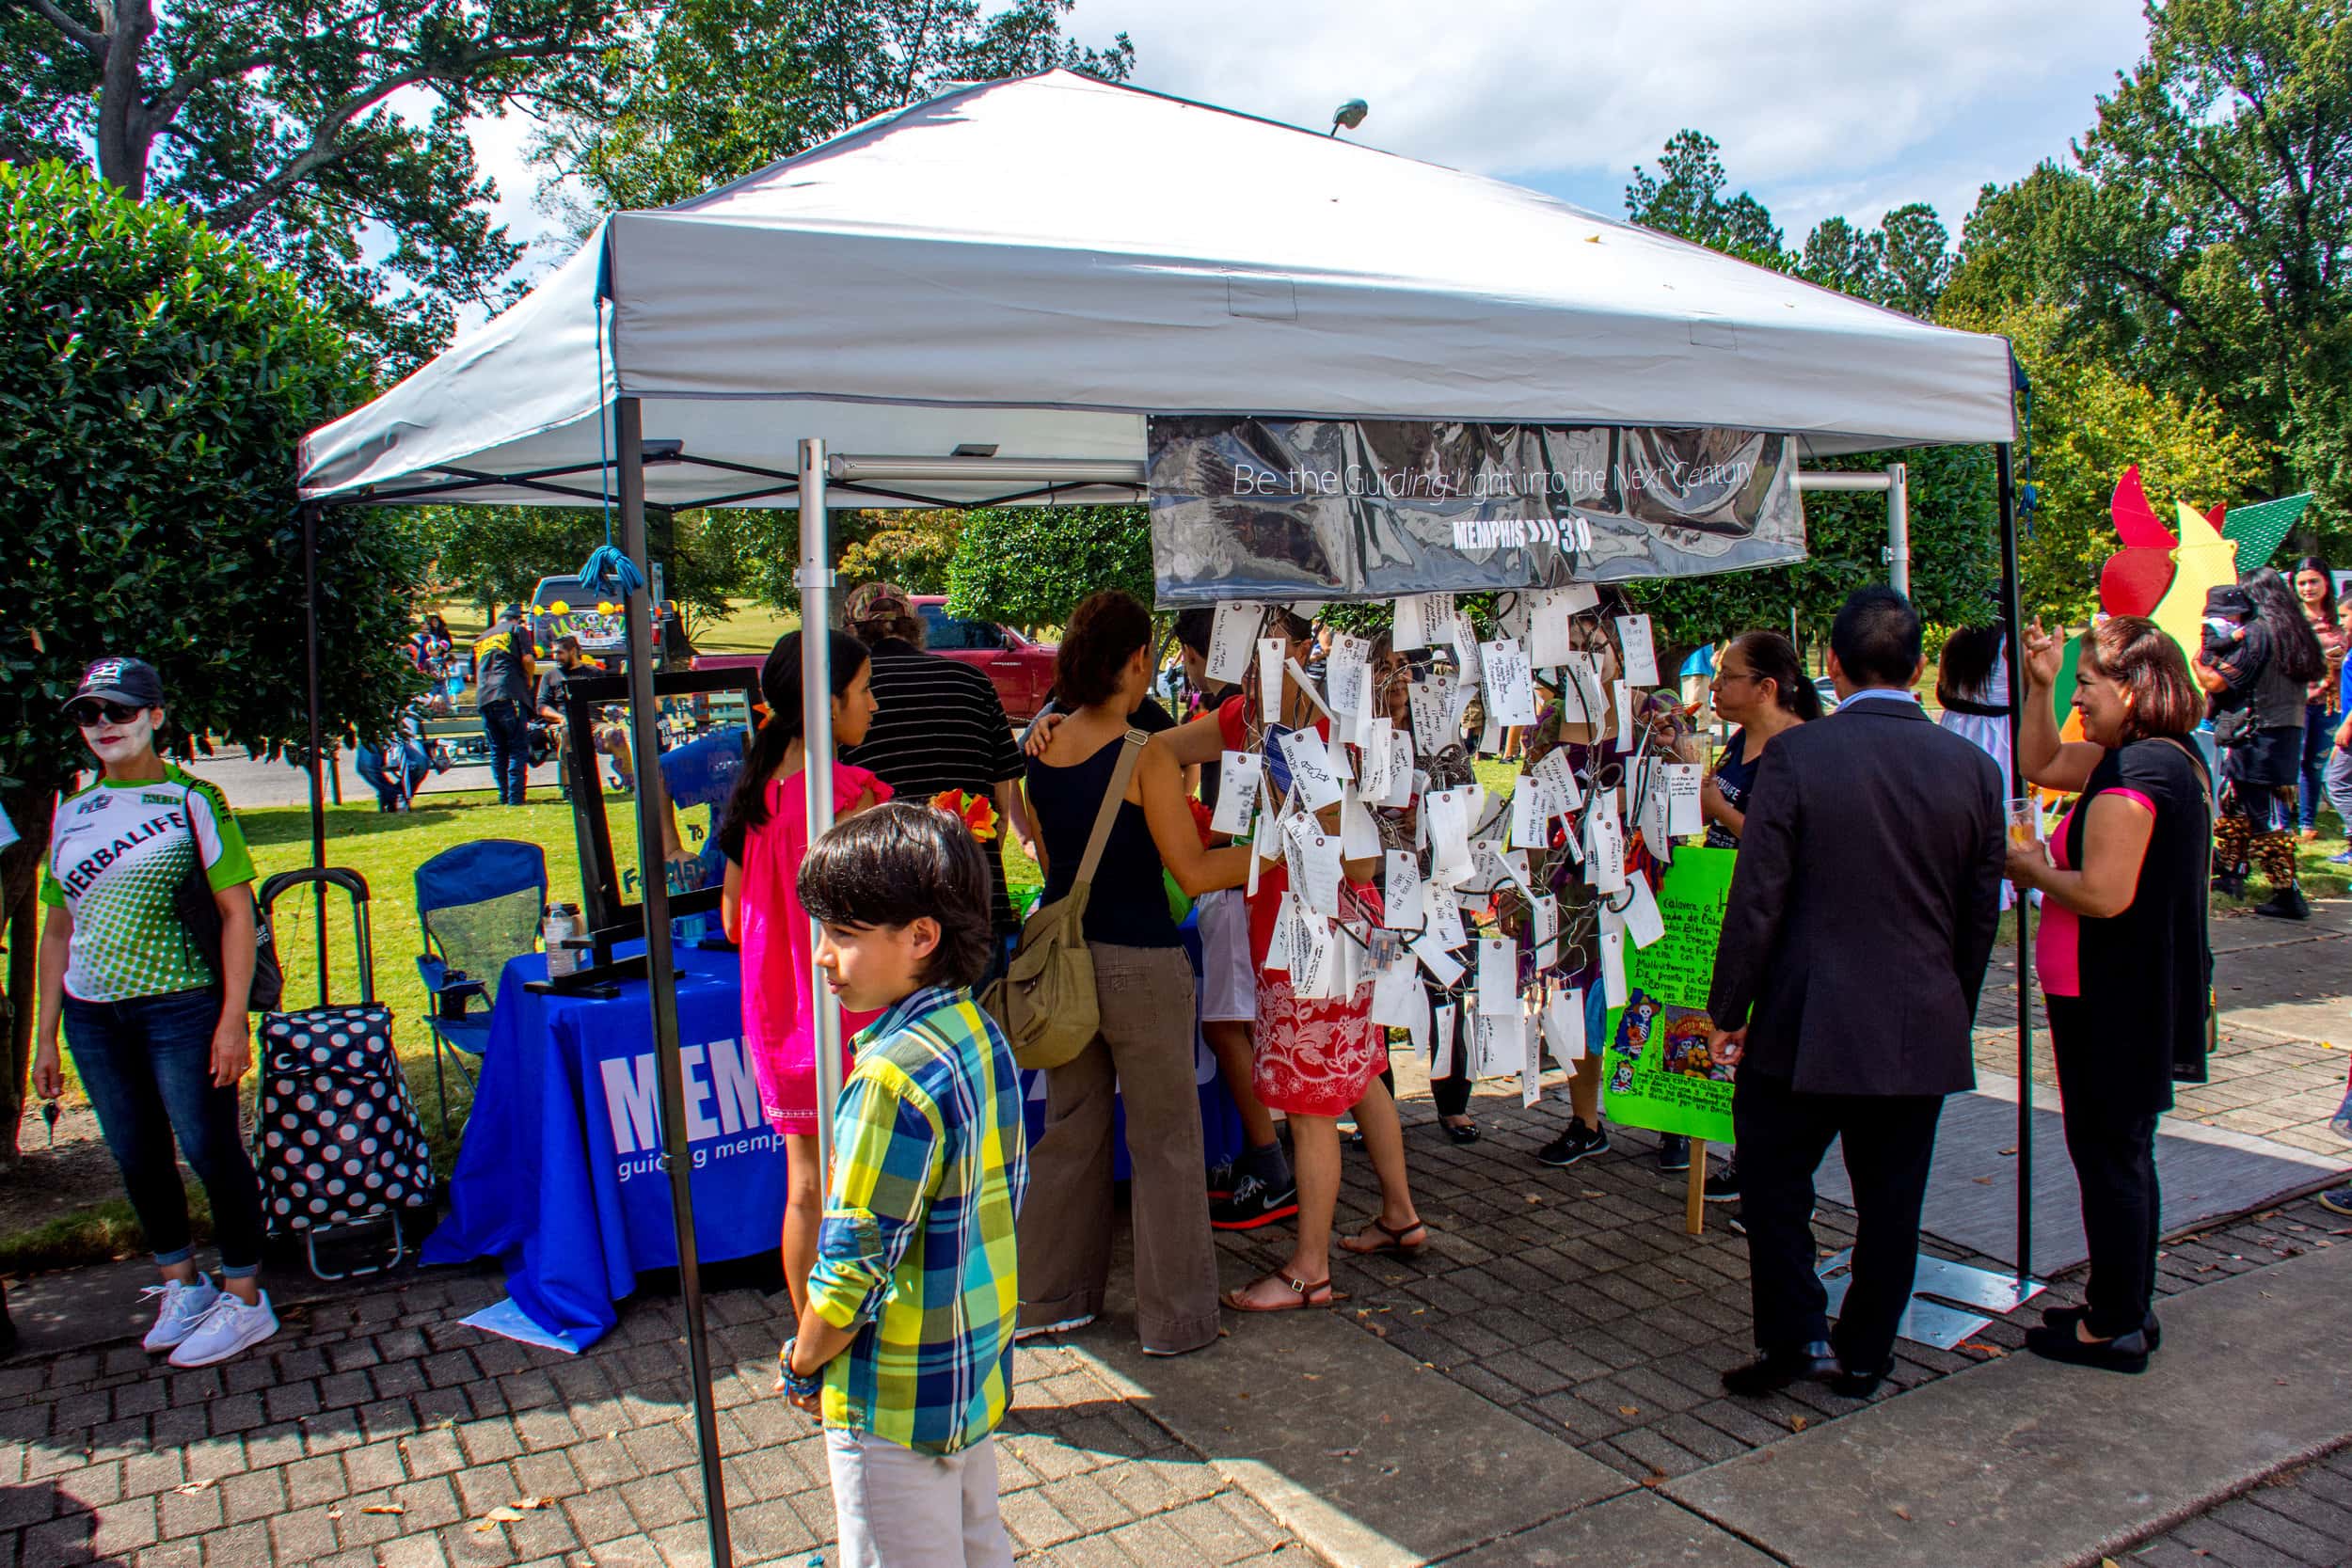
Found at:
[1032, 266]
[984, 296]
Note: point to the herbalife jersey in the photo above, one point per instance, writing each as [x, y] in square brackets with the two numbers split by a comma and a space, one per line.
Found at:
[115, 853]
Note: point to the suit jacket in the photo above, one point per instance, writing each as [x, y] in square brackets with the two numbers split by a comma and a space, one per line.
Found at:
[1863, 905]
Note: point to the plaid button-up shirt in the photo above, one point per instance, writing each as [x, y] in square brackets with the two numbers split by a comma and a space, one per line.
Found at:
[916, 1252]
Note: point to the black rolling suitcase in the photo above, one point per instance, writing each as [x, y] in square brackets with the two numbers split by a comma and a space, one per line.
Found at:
[336, 1137]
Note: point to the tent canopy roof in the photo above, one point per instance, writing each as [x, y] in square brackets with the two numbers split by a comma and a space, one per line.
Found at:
[1037, 265]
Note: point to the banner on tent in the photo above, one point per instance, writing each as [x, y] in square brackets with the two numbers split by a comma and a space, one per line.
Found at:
[1369, 509]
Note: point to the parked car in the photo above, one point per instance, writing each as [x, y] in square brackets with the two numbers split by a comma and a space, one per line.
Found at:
[1022, 671]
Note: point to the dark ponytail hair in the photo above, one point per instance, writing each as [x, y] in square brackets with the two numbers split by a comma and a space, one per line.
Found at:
[780, 690]
[1774, 659]
[1103, 633]
[1966, 667]
[2296, 646]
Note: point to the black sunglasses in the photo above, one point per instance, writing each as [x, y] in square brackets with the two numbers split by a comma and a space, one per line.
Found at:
[89, 712]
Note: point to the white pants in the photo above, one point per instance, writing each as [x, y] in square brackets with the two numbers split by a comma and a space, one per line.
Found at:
[898, 1509]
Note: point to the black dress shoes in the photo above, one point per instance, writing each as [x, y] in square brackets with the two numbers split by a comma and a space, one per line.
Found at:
[1847, 1383]
[1776, 1370]
[2066, 1317]
[2127, 1352]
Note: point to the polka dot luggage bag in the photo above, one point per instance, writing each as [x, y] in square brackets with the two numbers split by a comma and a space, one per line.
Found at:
[336, 1137]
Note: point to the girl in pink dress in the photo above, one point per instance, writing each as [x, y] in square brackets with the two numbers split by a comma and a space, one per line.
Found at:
[764, 833]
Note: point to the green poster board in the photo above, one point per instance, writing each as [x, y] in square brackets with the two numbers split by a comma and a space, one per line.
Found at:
[1656, 1068]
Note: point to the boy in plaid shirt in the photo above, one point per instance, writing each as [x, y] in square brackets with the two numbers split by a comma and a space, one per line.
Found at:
[906, 1345]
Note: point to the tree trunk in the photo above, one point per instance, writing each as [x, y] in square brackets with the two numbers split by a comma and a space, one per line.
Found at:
[122, 135]
[19, 910]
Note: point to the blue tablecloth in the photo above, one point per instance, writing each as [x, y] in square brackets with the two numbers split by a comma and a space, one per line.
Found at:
[559, 1176]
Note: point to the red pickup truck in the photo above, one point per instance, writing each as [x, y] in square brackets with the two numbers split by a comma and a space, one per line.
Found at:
[1023, 671]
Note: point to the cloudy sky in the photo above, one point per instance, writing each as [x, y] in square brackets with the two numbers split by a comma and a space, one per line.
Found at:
[1822, 106]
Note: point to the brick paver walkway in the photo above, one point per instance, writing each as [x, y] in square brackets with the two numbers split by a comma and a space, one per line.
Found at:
[378, 1430]
[2301, 1519]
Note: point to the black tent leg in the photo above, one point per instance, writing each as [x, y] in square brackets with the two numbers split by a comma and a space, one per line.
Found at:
[317, 751]
[2012, 612]
[660, 973]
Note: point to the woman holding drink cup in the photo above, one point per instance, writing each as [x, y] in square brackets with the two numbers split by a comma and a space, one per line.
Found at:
[2120, 950]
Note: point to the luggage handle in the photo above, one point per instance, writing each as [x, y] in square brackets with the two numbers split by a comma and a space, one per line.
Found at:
[351, 883]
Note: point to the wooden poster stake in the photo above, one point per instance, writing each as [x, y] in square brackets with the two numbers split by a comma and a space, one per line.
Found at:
[1694, 1196]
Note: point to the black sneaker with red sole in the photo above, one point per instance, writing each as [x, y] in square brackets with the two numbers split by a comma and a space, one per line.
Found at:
[1252, 1203]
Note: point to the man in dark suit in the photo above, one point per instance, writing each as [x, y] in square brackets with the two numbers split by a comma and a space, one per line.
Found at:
[1854, 946]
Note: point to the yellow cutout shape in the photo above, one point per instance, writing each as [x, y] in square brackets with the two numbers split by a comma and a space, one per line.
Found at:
[2204, 561]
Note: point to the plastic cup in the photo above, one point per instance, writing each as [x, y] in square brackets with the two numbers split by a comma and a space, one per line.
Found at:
[2025, 821]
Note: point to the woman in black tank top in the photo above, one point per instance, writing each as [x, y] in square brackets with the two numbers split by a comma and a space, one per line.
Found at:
[1144, 1049]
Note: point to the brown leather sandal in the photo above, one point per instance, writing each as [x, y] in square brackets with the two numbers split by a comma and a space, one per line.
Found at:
[1304, 1294]
[1393, 1239]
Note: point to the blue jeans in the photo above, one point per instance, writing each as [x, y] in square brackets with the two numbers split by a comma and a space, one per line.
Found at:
[393, 791]
[507, 728]
[147, 1065]
[2319, 739]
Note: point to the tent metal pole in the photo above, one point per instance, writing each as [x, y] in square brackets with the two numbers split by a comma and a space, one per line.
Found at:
[314, 758]
[2013, 614]
[644, 715]
[816, 583]
[1899, 527]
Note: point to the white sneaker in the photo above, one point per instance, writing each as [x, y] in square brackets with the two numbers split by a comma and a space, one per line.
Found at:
[231, 1326]
[1038, 1331]
[183, 1307]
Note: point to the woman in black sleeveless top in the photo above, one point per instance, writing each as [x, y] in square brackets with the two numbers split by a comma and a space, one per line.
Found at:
[2121, 952]
[1143, 982]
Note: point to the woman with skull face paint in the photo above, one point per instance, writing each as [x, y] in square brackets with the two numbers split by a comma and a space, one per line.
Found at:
[157, 1029]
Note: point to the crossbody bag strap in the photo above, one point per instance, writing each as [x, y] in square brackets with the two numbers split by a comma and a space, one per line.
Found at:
[1130, 750]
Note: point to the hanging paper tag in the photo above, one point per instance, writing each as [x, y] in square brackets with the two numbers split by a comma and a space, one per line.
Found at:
[1360, 839]
[1238, 777]
[1529, 828]
[1642, 921]
[1445, 915]
[1446, 813]
[1465, 638]
[1311, 975]
[1417, 1024]
[1270, 653]
[1314, 864]
[1604, 845]
[1651, 818]
[1497, 973]
[1277, 953]
[1510, 684]
[1586, 704]
[1682, 799]
[1554, 772]
[1543, 915]
[1379, 772]
[1501, 1040]
[1306, 683]
[1397, 996]
[1417, 616]
[1613, 967]
[1443, 966]
[1563, 1026]
[1548, 639]
[1402, 782]
[1531, 1065]
[1580, 597]
[1427, 700]
[1314, 772]
[1400, 893]
[1624, 694]
[1349, 674]
[1232, 630]
[1640, 659]
[1442, 1043]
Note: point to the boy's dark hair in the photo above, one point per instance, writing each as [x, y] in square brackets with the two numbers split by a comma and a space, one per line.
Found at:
[890, 863]
[1193, 628]
[1876, 637]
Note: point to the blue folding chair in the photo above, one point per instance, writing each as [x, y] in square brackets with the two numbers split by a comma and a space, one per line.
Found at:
[479, 905]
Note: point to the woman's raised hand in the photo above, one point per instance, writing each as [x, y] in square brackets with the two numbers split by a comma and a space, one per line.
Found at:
[2042, 653]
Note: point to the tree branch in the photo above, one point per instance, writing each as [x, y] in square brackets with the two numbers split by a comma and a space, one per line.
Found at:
[93, 42]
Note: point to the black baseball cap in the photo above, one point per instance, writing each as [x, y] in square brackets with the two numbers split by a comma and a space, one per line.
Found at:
[514, 613]
[132, 682]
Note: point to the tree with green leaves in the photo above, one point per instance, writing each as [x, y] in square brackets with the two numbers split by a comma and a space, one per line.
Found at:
[153, 392]
[714, 89]
[1028, 566]
[496, 555]
[288, 125]
[2202, 243]
[1685, 199]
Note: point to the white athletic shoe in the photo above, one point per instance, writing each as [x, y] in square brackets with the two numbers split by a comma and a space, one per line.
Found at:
[182, 1307]
[1038, 1331]
[231, 1326]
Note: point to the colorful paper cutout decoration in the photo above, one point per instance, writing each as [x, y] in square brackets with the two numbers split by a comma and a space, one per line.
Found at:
[2204, 561]
[2134, 579]
[2260, 528]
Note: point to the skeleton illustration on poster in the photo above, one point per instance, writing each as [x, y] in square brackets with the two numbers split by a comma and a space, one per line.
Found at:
[1660, 1071]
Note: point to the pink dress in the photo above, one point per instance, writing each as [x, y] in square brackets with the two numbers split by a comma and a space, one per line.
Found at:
[779, 1013]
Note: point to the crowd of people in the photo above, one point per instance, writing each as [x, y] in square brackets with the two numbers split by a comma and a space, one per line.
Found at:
[941, 1236]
